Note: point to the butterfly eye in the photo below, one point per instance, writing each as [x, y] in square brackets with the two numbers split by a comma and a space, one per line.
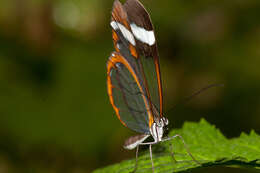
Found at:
[161, 123]
[165, 121]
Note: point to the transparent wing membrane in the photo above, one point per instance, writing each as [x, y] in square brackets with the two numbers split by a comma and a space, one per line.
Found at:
[151, 79]
[128, 98]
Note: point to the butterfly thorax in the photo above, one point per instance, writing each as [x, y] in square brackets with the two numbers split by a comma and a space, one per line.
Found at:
[157, 128]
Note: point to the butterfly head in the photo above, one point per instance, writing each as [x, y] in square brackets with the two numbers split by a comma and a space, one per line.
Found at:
[157, 128]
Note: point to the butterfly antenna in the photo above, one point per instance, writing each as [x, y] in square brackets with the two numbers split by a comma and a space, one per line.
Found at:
[187, 99]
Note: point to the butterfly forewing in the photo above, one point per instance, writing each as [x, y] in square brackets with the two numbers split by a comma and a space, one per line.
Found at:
[142, 29]
[149, 70]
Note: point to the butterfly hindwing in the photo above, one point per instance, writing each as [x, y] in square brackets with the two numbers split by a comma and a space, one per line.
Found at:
[126, 95]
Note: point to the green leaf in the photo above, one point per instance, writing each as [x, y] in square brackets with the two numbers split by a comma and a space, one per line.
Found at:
[206, 143]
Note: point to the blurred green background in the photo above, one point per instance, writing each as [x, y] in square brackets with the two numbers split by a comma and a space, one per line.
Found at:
[55, 115]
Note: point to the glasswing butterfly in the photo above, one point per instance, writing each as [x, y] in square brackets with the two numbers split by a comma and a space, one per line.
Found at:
[133, 76]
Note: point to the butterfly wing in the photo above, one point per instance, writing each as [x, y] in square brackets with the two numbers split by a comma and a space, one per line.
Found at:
[135, 45]
[126, 95]
[134, 38]
[143, 31]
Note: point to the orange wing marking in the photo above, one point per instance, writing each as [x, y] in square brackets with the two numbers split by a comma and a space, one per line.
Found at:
[115, 39]
[133, 51]
[158, 74]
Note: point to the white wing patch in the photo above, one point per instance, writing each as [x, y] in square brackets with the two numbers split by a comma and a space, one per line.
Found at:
[143, 35]
[126, 33]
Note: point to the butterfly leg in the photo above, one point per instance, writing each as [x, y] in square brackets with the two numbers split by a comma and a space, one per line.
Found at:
[151, 156]
[185, 146]
[150, 149]
[136, 158]
[172, 154]
[187, 149]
